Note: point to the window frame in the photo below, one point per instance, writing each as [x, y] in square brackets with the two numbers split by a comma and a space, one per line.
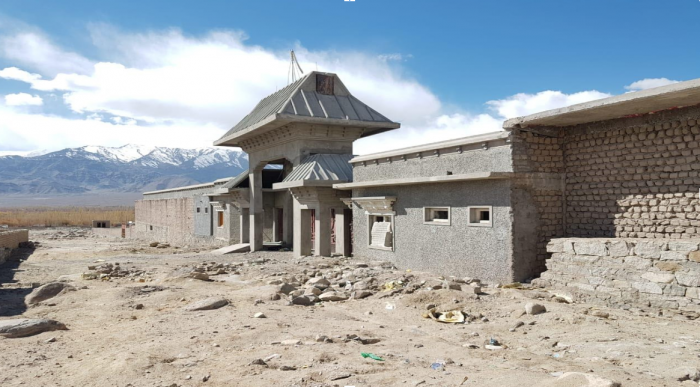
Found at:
[438, 222]
[392, 215]
[220, 219]
[479, 223]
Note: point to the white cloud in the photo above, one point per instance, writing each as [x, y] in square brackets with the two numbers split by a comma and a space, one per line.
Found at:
[36, 51]
[15, 74]
[23, 99]
[523, 104]
[649, 83]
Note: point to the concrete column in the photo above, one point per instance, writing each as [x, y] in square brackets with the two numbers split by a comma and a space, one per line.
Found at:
[245, 226]
[343, 218]
[302, 231]
[288, 211]
[256, 209]
[275, 224]
[322, 241]
[288, 219]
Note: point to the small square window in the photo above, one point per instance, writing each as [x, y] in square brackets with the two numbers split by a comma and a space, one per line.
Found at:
[150, 228]
[481, 216]
[206, 210]
[437, 216]
[198, 209]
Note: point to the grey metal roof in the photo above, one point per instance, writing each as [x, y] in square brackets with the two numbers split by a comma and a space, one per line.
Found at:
[322, 167]
[302, 100]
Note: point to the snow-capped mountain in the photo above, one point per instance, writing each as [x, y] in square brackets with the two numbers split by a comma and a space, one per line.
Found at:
[129, 168]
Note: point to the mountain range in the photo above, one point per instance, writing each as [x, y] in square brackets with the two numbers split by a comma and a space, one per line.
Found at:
[129, 168]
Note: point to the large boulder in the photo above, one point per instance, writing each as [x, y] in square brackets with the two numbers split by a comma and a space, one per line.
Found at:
[23, 327]
[207, 304]
[47, 291]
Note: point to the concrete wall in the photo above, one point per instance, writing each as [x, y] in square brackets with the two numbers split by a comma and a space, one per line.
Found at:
[627, 272]
[11, 239]
[204, 219]
[457, 249]
[495, 159]
[169, 220]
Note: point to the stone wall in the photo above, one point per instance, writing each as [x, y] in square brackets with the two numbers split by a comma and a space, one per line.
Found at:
[627, 272]
[12, 239]
[634, 177]
[538, 160]
[169, 220]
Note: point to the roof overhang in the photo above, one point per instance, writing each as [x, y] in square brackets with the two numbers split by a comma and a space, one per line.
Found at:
[277, 120]
[677, 95]
[425, 180]
[306, 183]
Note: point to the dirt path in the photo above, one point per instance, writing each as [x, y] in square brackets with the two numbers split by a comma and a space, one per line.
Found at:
[123, 332]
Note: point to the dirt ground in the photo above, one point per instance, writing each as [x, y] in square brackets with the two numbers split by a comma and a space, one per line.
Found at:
[123, 332]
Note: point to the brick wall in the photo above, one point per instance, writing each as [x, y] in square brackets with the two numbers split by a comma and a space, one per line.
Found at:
[12, 239]
[627, 272]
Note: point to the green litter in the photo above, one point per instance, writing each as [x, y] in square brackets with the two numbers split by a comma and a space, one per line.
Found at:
[371, 356]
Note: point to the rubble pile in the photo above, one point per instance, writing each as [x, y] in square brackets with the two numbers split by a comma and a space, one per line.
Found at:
[70, 234]
[107, 271]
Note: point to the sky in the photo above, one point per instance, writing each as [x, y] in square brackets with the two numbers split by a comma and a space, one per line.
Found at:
[181, 73]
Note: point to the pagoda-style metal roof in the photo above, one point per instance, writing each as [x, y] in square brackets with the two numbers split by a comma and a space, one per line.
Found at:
[320, 170]
[317, 98]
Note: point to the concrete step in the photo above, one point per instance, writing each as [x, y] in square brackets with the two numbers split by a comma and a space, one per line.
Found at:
[239, 248]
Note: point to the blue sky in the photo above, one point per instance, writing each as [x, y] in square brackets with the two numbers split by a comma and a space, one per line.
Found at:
[446, 60]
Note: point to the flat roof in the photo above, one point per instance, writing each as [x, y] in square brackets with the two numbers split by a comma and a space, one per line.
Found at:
[433, 146]
[425, 180]
[677, 95]
[190, 187]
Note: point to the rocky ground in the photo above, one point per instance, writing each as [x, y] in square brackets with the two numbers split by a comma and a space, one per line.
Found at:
[124, 313]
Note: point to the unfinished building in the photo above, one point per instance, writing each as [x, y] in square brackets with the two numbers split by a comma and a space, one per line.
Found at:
[484, 206]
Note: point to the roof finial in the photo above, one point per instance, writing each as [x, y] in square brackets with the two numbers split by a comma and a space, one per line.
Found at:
[292, 74]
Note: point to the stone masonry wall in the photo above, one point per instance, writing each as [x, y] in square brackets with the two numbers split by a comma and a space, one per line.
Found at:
[169, 220]
[627, 272]
[634, 177]
[539, 156]
[12, 239]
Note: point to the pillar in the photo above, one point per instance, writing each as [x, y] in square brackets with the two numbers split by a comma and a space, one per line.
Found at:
[256, 209]
[343, 218]
[288, 211]
[322, 241]
[245, 225]
[302, 231]
[275, 225]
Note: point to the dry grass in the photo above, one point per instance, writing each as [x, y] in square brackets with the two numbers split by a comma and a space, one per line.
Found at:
[64, 216]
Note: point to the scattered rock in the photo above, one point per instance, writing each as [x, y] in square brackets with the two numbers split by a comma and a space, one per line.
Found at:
[48, 291]
[286, 288]
[23, 327]
[258, 362]
[303, 300]
[207, 304]
[153, 244]
[600, 313]
[259, 315]
[275, 297]
[138, 306]
[579, 379]
[685, 373]
[333, 296]
[199, 276]
[532, 308]
[291, 342]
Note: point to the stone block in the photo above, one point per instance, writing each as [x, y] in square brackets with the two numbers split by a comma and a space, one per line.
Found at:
[673, 256]
[668, 266]
[687, 279]
[637, 263]
[692, 293]
[618, 248]
[663, 278]
[555, 246]
[595, 248]
[694, 256]
[650, 249]
[682, 246]
[648, 287]
[675, 290]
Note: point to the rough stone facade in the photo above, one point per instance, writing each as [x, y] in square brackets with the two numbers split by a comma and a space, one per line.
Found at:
[627, 272]
[12, 239]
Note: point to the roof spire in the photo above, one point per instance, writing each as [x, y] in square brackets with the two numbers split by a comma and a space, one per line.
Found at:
[295, 72]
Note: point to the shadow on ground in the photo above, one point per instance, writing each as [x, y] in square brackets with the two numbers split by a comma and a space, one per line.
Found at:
[11, 298]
